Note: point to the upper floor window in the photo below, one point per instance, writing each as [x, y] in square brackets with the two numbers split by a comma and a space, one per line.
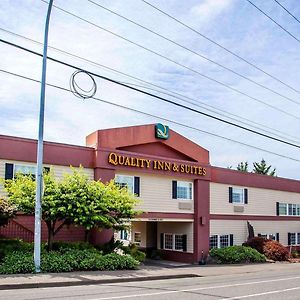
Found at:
[238, 195]
[125, 181]
[287, 209]
[131, 182]
[182, 190]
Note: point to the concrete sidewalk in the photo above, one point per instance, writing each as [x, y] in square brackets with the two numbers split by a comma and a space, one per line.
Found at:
[145, 272]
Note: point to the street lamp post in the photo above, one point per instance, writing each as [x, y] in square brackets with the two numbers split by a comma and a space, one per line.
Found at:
[39, 172]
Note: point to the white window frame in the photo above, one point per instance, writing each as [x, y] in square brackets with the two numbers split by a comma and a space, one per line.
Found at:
[267, 236]
[297, 238]
[134, 238]
[173, 235]
[15, 172]
[241, 192]
[129, 176]
[294, 207]
[188, 185]
[219, 240]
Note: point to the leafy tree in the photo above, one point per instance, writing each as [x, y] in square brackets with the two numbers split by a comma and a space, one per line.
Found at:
[243, 167]
[73, 200]
[7, 211]
[263, 168]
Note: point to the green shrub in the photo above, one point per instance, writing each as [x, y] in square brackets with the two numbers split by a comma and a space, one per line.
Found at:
[110, 247]
[71, 260]
[66, 246]
[133, 250]
[270, 248]
[9, 245]
[236, 254]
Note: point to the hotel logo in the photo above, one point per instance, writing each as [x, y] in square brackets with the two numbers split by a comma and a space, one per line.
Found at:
[161, 131]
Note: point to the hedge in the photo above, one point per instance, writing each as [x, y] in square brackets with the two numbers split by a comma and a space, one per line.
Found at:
[236, 254]
[70, 260]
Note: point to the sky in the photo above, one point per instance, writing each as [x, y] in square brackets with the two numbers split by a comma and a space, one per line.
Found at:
[145, 60]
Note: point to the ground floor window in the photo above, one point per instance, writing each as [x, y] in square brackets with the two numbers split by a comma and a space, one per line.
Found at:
[220, 241]
[294, 238]
[124, 235]
[269, 236]
[171, 241]
[137, 238]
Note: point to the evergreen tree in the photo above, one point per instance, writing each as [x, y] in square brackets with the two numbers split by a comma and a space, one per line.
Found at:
[243, 166]
[263, 168]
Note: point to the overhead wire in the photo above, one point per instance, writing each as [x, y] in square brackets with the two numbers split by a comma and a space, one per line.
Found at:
[154, 96]
[168, 92]
[270, 18]
[293, 16]
[158, 117]
[175, 62]
[193, 52]
[220, 46]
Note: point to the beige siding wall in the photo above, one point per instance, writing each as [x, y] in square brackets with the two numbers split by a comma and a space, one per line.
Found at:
[260, 201]
[156, 195]
[178, 228]
[58, 170]
[240, 233]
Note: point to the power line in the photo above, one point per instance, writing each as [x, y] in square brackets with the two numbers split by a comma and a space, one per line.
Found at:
[287, 11]
[194, 52]
[270, 18]
[168, 93]
[175, 62]
[155, 96]
[158, 117]
[220, 46]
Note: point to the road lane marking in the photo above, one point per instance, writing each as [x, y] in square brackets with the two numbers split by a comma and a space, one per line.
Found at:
[199, 289]
[261, 294]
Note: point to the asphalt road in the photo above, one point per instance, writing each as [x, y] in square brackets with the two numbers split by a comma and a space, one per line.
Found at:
[264, 285]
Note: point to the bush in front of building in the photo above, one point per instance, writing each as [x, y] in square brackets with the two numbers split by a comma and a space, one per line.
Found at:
[236, 254]
[271, 249]
[17, 262]
[9, 245]
[133, 250]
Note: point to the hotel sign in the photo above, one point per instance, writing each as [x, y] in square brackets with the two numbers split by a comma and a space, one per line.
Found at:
[159, 165]
[161, 131]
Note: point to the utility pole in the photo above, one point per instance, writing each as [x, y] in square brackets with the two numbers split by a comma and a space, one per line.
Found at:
[39, 171]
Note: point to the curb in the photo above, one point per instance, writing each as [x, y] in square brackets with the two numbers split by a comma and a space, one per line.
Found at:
[92, 281]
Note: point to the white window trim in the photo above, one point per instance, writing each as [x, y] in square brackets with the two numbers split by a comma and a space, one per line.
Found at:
[268, 235]
[297, 242]
[23, 165]
[192, 191]
[130, 176]
[219, 239]
[243, 195]
[287, 209]
[173, 241]
[137, 243]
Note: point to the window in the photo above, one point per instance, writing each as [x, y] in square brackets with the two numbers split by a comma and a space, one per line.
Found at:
[288, 209]
[124, 235]
[294, 238]
[213, 242]
[220, 241]
[269, 236]
[184, 190]
[178, 242]
[283, 209]
[137, 238]
[237, 195]
[125, 181]
[168, 241]
[175, 242]
[25, 170]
